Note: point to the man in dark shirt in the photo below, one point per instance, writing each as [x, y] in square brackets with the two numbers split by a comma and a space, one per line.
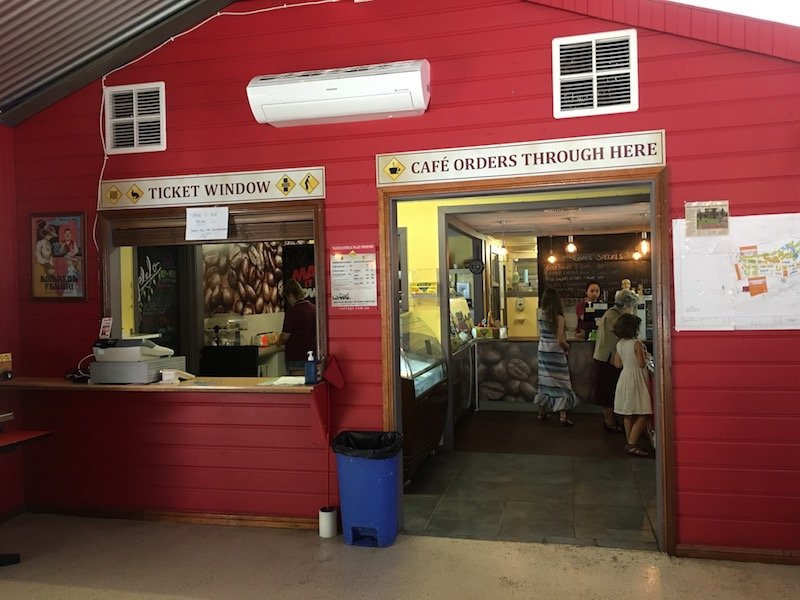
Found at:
[299, 335]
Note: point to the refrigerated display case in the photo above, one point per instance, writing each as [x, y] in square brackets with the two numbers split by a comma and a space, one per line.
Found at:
[644, 310]
[423, 387]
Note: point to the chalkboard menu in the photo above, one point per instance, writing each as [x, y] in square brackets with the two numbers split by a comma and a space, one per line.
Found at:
[602, 258]
[158, 294]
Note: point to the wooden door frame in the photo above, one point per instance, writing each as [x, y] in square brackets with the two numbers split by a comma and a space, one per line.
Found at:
[661, 249]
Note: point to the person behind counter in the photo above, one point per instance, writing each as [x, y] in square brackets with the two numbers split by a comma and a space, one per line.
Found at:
[555, 388]
[585, 311]
[299, 333]
[607, 374]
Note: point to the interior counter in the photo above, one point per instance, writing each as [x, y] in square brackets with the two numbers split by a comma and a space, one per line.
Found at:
[258, 385]
[218, 448]
[506, 374]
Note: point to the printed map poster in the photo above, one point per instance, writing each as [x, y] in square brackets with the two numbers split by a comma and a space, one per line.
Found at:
[747, 279]
[704, 282]
[354, 277]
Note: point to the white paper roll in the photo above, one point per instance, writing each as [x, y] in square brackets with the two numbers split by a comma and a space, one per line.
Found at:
[328, 522]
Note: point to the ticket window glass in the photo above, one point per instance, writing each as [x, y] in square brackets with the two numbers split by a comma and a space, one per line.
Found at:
[198, 295]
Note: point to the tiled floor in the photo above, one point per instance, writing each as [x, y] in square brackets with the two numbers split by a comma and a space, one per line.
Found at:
[583, 500]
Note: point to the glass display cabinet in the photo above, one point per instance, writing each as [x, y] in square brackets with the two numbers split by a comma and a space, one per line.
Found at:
[423, 388]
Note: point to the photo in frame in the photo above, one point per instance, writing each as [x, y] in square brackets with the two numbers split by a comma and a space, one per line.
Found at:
[58, 266]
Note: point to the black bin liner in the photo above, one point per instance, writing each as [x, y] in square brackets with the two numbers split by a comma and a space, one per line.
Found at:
[368, 444]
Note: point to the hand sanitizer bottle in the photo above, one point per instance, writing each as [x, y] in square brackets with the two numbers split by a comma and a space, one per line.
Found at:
[311, 369]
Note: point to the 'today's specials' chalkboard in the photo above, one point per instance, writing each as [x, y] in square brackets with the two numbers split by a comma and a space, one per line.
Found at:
[606, 259]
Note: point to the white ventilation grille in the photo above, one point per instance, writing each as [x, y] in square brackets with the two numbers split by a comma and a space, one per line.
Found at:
[595, 74]
[135, 118]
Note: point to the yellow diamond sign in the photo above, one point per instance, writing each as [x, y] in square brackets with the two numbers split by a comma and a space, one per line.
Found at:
[135, 193]
[309, 183]
[113, 194]
[394, 168]
[286, 185]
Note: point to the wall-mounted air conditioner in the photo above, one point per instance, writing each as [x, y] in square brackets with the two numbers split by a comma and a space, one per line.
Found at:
[398, 89]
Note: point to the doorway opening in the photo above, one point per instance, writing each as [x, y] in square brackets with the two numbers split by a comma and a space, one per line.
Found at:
[493, 471]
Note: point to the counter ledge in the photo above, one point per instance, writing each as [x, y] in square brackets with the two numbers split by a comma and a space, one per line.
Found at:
[257, 385]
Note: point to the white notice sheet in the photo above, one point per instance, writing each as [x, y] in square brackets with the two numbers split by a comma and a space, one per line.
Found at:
[354, 276]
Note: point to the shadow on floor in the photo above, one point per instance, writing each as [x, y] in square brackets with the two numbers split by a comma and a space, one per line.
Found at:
[515, 478]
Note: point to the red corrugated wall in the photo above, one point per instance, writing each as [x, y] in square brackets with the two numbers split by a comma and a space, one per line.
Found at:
[731, 121]
[226, 454]
[11, 498]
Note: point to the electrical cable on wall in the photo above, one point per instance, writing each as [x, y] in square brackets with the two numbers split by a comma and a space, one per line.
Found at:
[143, 56]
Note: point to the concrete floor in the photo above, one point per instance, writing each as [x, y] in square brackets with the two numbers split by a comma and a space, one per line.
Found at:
[71, 558]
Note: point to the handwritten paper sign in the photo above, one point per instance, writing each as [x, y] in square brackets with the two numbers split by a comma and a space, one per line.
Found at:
[207, 223]
[353, 276]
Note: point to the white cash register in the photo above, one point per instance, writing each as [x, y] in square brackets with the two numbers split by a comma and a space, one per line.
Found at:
[132, 360]
[129, 350]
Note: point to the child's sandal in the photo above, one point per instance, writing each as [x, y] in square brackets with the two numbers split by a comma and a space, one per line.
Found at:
[634, 450]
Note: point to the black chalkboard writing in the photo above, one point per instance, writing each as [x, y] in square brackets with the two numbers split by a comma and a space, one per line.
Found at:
[603, 258]
[158, 294]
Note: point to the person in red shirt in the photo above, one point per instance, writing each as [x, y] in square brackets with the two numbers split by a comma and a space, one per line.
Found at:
[299, 334]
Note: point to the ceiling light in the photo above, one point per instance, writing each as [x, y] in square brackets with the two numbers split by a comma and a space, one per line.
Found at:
[644, 245]
[571, 247]
[502, 251]
[552, 258]
[636, 255]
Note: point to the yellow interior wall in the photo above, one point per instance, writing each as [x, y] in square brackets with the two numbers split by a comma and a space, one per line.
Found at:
[522, 323]
[127, 296]
[421, 221]
[459, 249]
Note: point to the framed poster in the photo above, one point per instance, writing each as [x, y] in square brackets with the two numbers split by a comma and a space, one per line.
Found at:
[58, 269]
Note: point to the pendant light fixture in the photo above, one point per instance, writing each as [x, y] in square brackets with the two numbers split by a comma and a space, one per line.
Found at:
[552, 257]
[502, 251]
[571, 247]
[644, 245]
[637, 255]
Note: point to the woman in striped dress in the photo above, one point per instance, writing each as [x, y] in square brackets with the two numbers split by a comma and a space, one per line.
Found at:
[555, 388]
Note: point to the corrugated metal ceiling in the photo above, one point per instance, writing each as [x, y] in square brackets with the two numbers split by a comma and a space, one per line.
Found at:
[50, 48]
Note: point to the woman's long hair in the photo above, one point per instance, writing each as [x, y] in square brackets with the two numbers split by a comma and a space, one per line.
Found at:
[550, 303]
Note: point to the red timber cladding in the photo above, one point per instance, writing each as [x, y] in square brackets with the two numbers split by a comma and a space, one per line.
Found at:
[11, 497]
[235, 453]
[731, 128]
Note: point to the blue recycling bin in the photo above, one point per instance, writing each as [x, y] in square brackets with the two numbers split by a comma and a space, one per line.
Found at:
[370, 485]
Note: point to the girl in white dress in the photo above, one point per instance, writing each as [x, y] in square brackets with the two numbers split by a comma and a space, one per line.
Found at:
[632, 397]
